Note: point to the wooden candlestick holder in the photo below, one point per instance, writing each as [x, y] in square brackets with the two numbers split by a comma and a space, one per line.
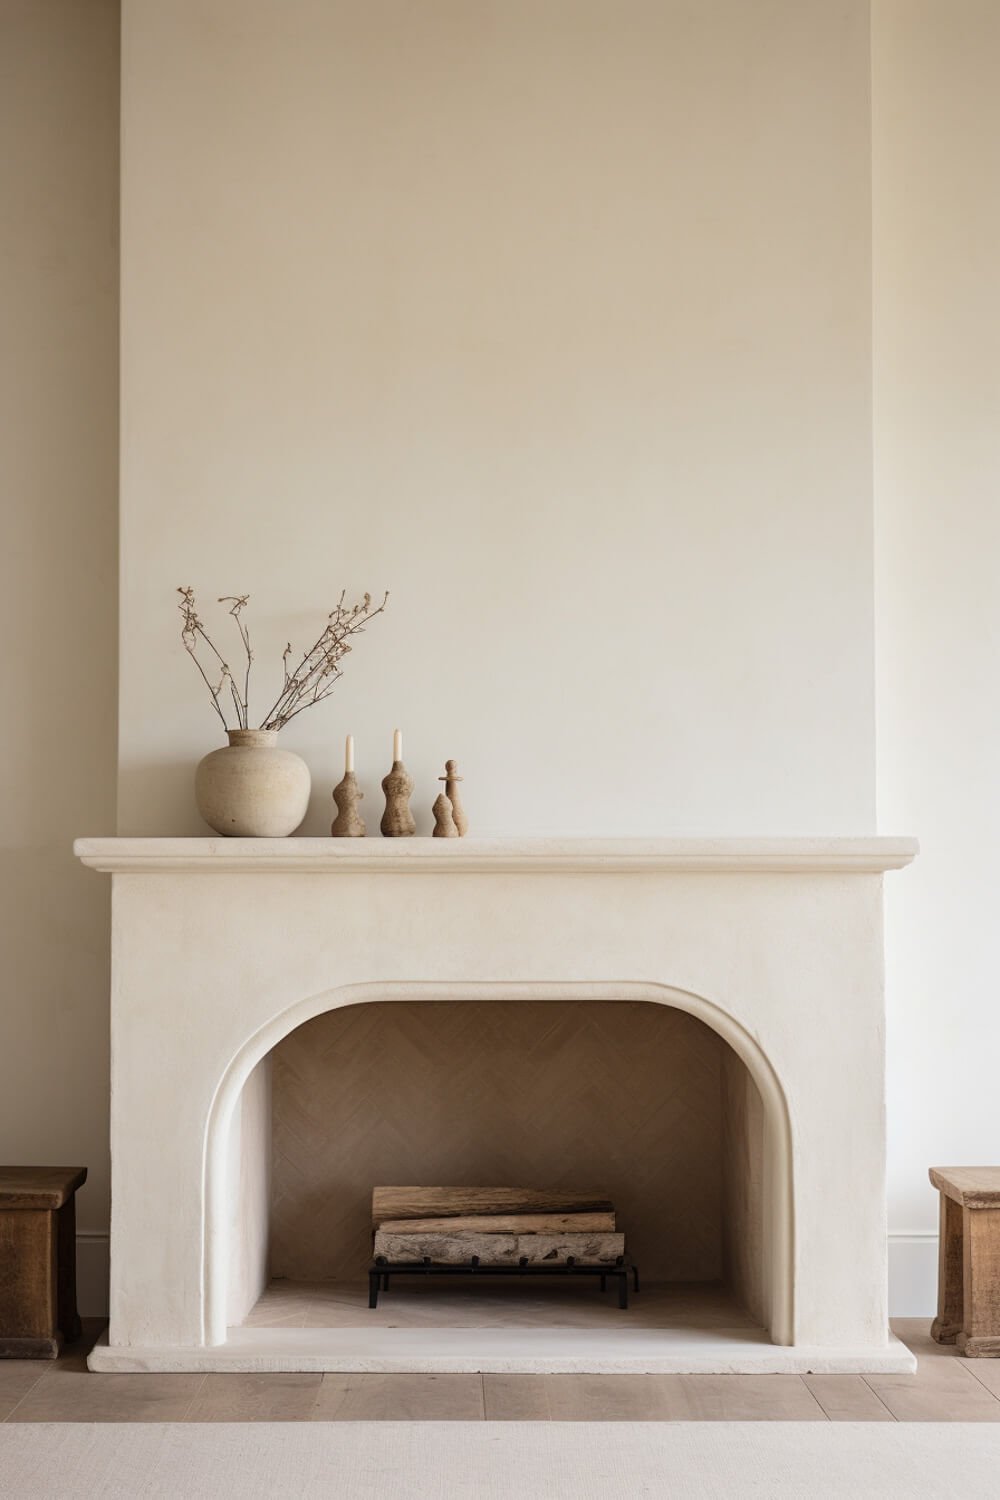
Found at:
[397, 820]
[348, 824]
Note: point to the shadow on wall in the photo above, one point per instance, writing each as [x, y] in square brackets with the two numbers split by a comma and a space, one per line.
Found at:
[174, 814]
[58, 608]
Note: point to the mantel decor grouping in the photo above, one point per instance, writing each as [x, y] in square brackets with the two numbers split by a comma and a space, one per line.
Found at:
[397, 820]
[254, 788]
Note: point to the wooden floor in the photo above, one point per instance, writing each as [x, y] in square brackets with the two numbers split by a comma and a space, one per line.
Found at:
[946, 1388]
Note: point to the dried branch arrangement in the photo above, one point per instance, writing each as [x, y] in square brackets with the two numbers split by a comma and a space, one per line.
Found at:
[309, 682]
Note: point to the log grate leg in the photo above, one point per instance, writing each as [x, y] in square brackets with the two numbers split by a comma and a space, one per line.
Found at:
[623, 1271]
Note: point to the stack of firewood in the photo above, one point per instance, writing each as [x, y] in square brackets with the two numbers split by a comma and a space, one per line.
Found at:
[500, 1226]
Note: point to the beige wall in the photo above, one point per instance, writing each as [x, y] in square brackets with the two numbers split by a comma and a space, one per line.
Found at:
[623, 1098]
[554, 318]
[58, 374]
[511, 307]
[937, 358]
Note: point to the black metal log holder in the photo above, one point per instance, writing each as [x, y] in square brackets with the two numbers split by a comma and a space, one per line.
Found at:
[381, 1269]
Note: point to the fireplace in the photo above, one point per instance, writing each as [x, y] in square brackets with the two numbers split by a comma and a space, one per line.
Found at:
[757, 961]
[644, 1102]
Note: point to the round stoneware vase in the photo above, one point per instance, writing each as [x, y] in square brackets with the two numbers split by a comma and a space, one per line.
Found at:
[250, 789]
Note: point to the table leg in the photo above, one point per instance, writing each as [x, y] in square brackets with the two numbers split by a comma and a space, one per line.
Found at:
[948, 1323]
[29, 1279]
[980, 1335]
[69, 1318]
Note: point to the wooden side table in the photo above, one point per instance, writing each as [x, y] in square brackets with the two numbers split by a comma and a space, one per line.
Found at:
[969, 1260]
[38, 1260]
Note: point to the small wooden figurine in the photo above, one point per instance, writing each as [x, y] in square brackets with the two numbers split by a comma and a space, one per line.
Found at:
[348, 824]
[397, 820]
[451, 780]
[444, 822]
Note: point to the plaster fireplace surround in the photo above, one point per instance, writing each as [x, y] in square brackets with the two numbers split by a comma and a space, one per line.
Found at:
[223, 948]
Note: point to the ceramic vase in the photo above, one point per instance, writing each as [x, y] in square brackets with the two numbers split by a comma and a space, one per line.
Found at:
[251, 789]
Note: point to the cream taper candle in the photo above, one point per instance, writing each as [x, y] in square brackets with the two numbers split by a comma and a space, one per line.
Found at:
[397, 745]
[349, 754]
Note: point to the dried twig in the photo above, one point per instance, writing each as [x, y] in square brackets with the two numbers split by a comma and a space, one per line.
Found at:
[319, 669]
[310, 682]
[239, 603]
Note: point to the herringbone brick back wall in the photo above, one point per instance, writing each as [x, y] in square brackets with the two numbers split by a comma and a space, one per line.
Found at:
[621, 1096]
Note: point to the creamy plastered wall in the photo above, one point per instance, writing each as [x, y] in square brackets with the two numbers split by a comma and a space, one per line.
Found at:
[58, 605]
[937, 409]
[724, 325]
[555, 320]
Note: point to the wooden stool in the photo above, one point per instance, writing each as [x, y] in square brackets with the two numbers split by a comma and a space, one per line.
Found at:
[969, 1260]
[38, 1260]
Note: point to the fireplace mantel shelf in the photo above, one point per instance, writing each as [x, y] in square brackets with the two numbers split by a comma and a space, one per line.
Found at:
[496, 856]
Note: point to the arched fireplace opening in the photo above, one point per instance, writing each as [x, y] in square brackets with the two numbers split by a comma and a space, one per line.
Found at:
[649, 1095]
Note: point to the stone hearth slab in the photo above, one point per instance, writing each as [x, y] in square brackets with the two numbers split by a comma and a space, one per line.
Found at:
[635, 1351]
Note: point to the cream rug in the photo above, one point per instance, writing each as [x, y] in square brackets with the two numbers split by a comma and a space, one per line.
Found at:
[499, 1460]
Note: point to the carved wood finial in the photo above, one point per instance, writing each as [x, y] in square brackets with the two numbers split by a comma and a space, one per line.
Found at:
[451, 779]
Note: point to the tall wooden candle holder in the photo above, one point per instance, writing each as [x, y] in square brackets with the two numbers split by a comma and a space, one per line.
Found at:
[348, 824]
[397, 820]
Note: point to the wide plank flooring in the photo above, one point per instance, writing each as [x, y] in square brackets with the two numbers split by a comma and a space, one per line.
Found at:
[848, 1398]
[400, 1398]
[945, 1388]
[649, 1398]
[269, 1397]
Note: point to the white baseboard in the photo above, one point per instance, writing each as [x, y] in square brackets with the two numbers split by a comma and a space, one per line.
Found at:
[913, 1270]
[92, 1272]
[912, 1273]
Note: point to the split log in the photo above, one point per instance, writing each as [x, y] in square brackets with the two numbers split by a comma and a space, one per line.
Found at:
[504, 1224]
[455, 1202]
[500, 1249]
[448, 1249]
